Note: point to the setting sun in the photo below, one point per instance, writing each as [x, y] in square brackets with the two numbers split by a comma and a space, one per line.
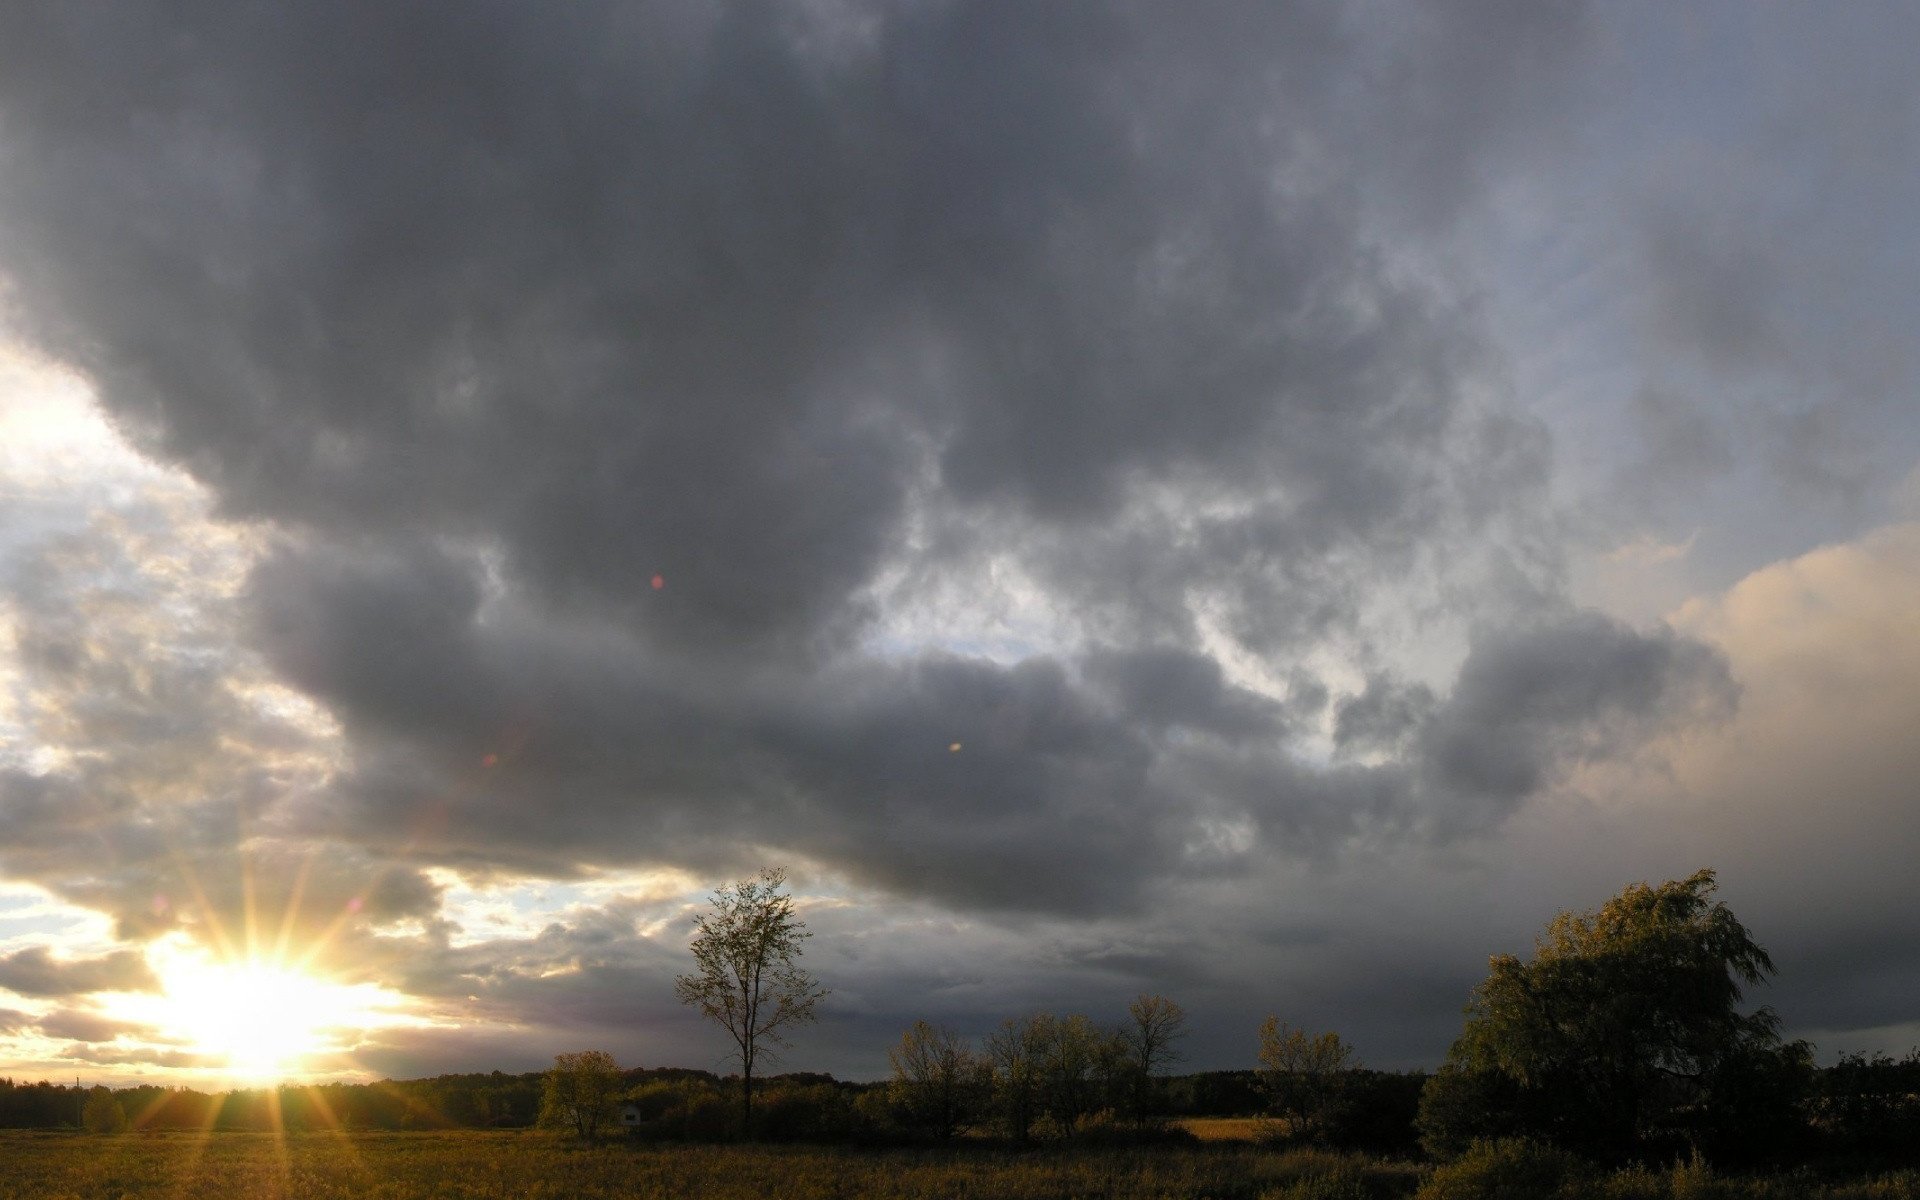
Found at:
[258, 1019]
[264, 1021]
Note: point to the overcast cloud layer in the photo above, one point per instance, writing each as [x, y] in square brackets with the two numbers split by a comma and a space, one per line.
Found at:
[1258, 503]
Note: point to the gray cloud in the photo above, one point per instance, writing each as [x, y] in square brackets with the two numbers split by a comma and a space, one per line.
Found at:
[594, 419]
[166, 749]
[1714, 289]
[34, 971]
[663, 434]
[1382, 716]
[82, 1026]
[751, 279]
[1564, 690]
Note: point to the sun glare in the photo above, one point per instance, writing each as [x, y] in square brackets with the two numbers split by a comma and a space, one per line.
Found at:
[262, 1021]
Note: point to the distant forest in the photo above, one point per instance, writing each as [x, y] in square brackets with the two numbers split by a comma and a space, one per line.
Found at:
[1862, 1107]
[497, 1100]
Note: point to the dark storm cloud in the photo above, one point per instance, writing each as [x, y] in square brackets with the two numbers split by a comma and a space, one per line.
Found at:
[1004, 786]
[1380, 717]
[695, 291]
[471, 727]
[1560, 691]
[34, 971]
[602, 369]
[1170, 687]
[1531, 700]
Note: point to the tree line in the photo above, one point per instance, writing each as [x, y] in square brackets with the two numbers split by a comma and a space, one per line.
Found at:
[465, 1101]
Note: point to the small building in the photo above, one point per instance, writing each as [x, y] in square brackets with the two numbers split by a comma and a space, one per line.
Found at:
[630, 1116]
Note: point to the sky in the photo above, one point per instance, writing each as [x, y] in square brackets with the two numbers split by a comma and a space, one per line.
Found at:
[1262, 504]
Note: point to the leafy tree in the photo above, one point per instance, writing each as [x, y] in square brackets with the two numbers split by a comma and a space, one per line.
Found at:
[745, 979]
[1622, 1035]
[937, 1079]
[1154, 1025]
[1069, 1058]
[582, 1091]
[102, 1113]
[1304, 1076]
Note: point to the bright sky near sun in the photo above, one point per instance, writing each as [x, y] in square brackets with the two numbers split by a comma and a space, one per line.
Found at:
[1262, 505]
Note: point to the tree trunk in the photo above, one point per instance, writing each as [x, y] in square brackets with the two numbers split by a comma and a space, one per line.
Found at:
[746, 1103]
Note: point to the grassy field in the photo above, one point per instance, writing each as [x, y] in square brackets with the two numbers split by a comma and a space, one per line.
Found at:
[525, 1166]
[1224, 1129]
[245, 1166]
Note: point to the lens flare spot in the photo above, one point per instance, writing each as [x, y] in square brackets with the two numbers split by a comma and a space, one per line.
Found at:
[659, 581]
[491, 760]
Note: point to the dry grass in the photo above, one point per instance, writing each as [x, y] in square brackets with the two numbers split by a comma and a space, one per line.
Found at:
[526, 1166]
[1224, 1129]
[446, 1166]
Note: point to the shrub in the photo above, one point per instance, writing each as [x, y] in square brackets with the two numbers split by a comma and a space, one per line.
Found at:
[1341, 1185]
[1507, 1169]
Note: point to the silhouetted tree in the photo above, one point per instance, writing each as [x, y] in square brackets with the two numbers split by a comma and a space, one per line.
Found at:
[745, 979]
[1013, 1056]
[581, 1092]
[1154, 1025]
[1622, 1034]
[1870, 1104]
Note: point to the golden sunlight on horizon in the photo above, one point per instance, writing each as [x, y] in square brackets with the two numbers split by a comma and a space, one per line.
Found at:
[258, 1020]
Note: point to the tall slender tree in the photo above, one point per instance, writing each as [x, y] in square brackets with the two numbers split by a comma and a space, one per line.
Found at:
[745, 979]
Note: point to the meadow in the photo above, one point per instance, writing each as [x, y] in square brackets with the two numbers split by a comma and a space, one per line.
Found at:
[534, 1166]
[458, 1165]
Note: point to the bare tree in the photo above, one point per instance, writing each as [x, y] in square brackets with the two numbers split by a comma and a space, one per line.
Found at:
[581, 1091]
[1155, 1024]
[745, 979]
[1013, 1055]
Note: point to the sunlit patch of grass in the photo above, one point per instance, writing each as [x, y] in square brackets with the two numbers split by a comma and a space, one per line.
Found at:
[1224, 1129]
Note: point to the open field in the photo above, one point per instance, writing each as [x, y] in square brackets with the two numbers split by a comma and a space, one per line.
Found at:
[529, 1166]
[406, 1166]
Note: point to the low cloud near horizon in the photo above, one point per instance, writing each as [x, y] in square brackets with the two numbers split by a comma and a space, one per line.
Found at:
[1264, 505]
